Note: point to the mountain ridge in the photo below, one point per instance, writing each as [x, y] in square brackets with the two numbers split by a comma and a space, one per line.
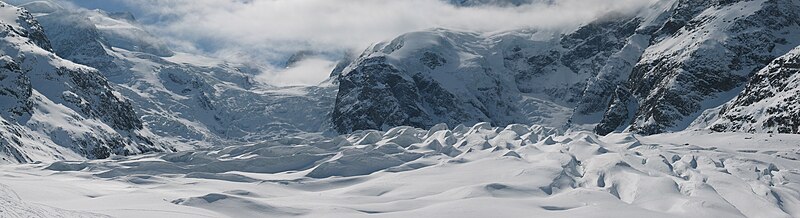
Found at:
[53, 108]
[650, 71]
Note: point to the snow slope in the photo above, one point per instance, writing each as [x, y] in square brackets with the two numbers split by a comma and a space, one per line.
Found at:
[479, 171]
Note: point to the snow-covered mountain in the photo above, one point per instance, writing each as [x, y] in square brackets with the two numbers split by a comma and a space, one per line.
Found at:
[442, 76]
[651, 71]
[54, 109]
[770, 102]
[536, 117]
[521, 76]
[699, 58]
[187, 100]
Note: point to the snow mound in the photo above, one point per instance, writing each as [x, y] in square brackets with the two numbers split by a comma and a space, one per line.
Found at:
[233, 205]
[511, 171]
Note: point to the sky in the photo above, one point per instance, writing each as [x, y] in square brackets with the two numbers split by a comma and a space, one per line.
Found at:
[269, 31]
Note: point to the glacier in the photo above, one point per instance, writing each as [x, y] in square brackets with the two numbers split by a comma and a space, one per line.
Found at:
[680, 109]
[477, 171]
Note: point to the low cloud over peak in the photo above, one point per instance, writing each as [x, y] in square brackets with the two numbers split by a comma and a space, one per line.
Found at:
[269, 31]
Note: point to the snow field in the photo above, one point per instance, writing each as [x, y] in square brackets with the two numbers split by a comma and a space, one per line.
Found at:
[478, 171]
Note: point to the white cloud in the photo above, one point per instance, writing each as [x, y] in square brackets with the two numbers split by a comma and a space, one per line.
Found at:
[310, 71]
[268, 29]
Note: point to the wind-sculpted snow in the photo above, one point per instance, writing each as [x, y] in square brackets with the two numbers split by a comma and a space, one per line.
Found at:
[478, 171]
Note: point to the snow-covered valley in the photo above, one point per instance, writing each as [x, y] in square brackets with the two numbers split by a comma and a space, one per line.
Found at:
[478, 171]
[666, 108]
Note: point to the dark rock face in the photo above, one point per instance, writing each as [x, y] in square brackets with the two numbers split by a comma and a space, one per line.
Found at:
[15, 89]
[607, 48]
[92, 94]
[671, 85]
[770, 102]
[394, 99]
[29, 29]
[618, 112]
[588, 48]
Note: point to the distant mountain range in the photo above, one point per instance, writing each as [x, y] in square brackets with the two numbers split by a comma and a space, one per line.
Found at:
[93, 84]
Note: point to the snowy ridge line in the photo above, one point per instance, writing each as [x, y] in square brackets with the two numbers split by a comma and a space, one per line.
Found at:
[55, 109]
[406, 171]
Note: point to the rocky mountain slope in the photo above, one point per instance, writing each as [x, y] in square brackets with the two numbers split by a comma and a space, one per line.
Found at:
[521, 76]
[651, 71]
[443, 76]
[698, 59]
[187, 100]
[769, 103]
[52, 108]
[138, 96]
